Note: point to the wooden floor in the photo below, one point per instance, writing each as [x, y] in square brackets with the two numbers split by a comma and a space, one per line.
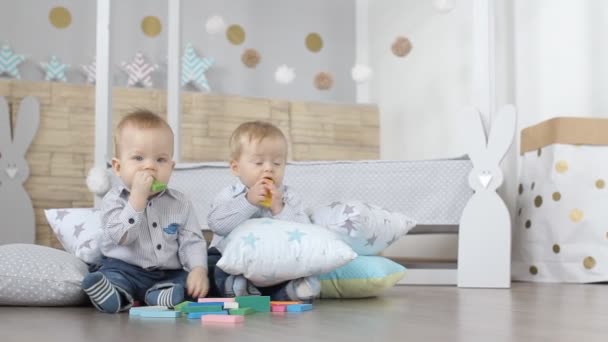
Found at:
[527, 312]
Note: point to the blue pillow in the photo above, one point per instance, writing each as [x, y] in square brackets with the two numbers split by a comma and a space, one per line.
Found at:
[365, 276]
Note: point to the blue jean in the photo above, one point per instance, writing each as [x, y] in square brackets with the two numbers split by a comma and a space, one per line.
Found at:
[217, 279]
[133, 282]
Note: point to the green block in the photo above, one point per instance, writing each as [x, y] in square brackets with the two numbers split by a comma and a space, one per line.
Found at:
[258, 303]
[242, 312]
[158, 186]
[206, 308]
[179, 306]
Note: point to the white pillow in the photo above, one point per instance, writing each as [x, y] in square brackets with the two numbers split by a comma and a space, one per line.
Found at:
[367, 228]
[40, 276]
[78, 230]
[268, 252]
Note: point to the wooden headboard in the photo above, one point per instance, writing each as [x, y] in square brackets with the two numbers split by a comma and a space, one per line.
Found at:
[63, 150]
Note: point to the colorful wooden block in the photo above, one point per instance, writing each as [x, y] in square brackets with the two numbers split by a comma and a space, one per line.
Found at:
[231, 305]
[258, 303]
[282, 302]
[278, 308]
[197, 315]
[160, 314]
[223, 319]
[299, 307]
[203, 308]
[242, 311]
[208, 304]
[179, 306]
[137, 310]
[215, 300]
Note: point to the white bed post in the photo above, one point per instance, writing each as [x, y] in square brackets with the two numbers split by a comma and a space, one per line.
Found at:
[173, 75]
[495, 253]
[362, 45]
[103, 89]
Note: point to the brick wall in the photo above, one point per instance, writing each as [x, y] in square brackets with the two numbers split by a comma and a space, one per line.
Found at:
[63, 150]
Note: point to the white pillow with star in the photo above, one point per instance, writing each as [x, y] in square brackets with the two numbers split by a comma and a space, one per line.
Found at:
[367, 228]
[78, 230]
[268, 251]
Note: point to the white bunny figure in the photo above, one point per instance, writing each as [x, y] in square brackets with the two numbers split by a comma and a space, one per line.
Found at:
[16, 211]
[484, 246]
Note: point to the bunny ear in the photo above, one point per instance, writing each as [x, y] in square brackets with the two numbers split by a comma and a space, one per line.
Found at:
[5, 125]
[501, 135]
[28, 120]
[474, 134]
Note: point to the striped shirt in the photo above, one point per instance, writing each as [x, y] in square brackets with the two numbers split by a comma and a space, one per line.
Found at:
[165, 235]
[230, 208]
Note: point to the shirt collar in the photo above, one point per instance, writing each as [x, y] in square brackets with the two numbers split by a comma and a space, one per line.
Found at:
[124, 192]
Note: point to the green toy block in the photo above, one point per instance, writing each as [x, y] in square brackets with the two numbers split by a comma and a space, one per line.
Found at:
[208, 308]
[258, 303]
[242, 312]
[179, 306]
[158, 186]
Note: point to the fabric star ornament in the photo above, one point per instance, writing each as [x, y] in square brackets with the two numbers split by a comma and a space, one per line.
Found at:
[139, 71]
[89, 71]
[194, 68]
[55, 70]
[9, 62]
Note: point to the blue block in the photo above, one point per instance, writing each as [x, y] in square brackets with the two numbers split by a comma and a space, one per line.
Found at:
[299, 307]
[207, 304]
[196, 315]
[160, 314]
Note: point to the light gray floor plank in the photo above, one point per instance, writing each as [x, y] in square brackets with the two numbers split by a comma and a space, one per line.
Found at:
[527, 312]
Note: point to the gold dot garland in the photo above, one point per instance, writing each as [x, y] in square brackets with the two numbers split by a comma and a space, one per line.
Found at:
[60, 17]
[324, 81]
[314, 42]
[251, 58]
[151, 26]
[235, 34]
[401, 46]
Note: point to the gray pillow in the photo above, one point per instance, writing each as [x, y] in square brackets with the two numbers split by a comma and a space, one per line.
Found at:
[35, 275]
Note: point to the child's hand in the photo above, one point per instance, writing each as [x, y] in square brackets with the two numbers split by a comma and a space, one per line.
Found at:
[198, 282]
[276, 205]
[258, 192]
[140, 189]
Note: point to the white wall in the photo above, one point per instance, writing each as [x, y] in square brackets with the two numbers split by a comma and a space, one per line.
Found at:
[418, 95]
[561, 59]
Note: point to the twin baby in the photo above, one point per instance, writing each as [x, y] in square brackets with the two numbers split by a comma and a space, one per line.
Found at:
[153, 249]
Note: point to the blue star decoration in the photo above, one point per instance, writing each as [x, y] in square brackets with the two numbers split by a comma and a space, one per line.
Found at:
[295, 235]
[250, 240]
[55, 70]
[194, 68]
[9, 62]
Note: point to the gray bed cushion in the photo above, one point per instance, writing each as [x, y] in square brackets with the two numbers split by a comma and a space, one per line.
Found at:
[32, 275]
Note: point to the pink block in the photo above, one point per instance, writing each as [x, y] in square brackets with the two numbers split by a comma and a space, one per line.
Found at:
[222, 319]
[278, 308]
[215, 300]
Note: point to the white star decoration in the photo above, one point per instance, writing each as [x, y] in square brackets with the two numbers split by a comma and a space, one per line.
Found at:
[90, 70]
[139, 71]
[55, 70]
